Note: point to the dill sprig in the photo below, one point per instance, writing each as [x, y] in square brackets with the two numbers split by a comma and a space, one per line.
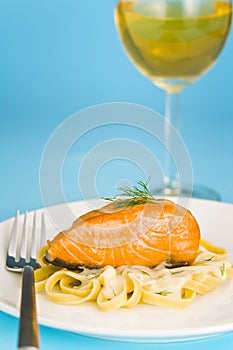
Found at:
[176, 272]
[135, 191]
[209, 259]
[130, 196]
[144, 272]
[223, 269]
[164, 292]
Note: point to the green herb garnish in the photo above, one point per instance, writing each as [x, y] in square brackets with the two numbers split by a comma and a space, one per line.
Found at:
[144, 272]
[176, 272]
[223, 269]
[164, 292]
[160, 276]
[134, 195]
[209, 259]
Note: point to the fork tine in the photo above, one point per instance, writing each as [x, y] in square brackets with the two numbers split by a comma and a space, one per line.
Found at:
[34, 242]
[13, 245]
[12, 248]
[24, 244]
[43, 231]
[38, 239]
[23, 248]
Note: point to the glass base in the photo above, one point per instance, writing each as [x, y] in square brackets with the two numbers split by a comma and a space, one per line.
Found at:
[199, 191]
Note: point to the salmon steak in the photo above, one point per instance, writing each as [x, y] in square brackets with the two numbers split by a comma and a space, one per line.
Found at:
[142, 233]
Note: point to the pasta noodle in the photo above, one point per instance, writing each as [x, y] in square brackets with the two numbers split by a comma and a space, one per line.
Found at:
[126, 286]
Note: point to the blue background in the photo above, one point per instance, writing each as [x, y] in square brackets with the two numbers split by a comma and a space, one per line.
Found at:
[60, 56]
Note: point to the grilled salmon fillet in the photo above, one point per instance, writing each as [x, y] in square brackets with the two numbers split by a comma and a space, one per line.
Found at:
[145, 234]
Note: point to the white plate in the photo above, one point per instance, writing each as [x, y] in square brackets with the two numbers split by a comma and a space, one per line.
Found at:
[209, 315]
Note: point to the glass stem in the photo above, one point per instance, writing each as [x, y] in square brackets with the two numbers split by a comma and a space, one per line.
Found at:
[172, 117]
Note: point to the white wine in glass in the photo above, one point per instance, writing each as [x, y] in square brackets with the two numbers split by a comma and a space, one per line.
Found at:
[173, 43]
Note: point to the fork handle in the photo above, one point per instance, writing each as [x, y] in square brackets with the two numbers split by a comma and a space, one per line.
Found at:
[28, 327]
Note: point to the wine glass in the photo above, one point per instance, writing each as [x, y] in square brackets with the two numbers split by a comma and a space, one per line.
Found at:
[173, 43]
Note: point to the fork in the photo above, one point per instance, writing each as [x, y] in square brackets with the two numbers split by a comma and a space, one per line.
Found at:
[21, 257]
[24, 245]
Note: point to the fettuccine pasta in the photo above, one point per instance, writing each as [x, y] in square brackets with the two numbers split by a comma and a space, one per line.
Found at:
[126, 286]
